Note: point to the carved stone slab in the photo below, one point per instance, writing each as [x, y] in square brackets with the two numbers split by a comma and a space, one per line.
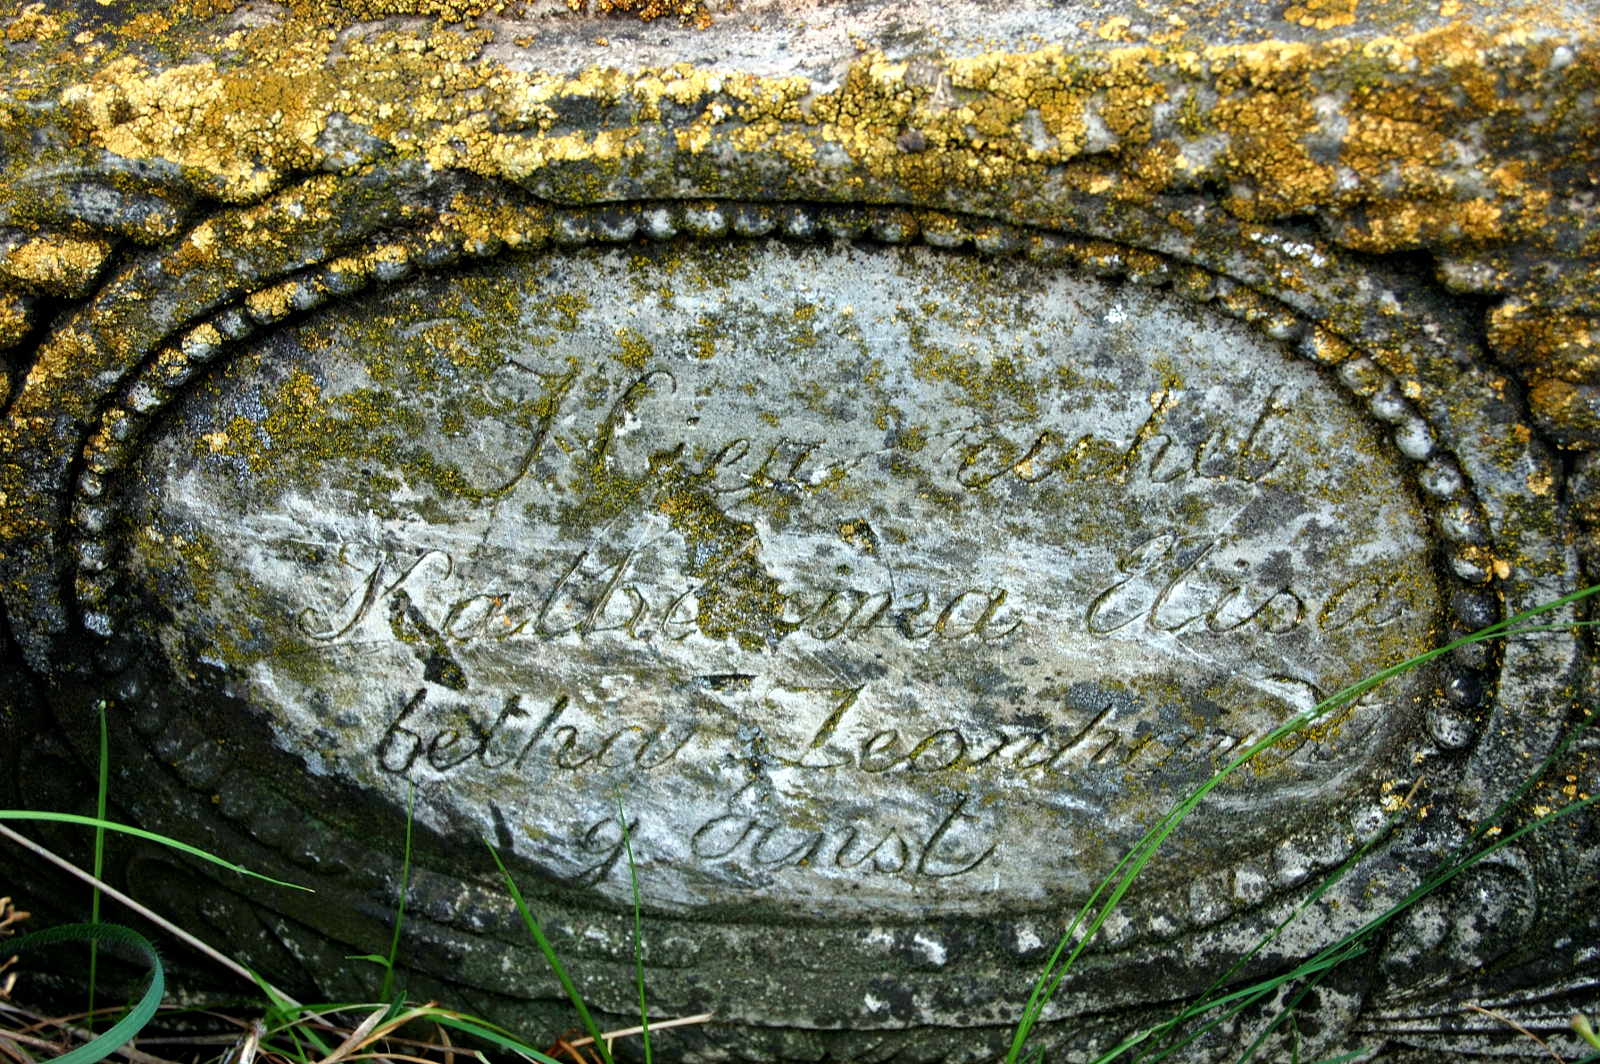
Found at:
[884, 577]
[896, 487]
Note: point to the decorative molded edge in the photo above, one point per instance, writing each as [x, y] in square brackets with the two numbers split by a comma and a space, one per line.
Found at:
[1456, 513]
[1458, 519]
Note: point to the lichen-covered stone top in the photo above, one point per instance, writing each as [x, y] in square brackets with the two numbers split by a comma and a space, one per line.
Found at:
[1463, 129]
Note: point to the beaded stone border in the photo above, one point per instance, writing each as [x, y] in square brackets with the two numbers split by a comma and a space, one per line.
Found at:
[1456, 513]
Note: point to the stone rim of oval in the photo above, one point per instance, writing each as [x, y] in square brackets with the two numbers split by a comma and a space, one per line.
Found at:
[589, 663]
[1527, 676]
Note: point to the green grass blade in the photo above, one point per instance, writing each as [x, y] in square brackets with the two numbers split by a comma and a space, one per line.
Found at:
[490, 1033]
[400, 911]
[1363, 1051]
[99, 864]
[1045, 985]
[1147, 846]
[1346, 949]
[1240, 1000]
[1446, 873]
[295, 1029]
[555, 963]
[279, 1012]
[638, 927]
[283, 1016]
[1488, 823]
[125, 1029]
[1351, 945]
[148, 836]
[1286, 1014]
[1128, 869]
[1128, 1045]
[300, 1050]
[328, 1008]
[1206, 1001]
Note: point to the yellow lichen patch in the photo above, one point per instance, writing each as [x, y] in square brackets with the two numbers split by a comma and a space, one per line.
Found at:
[1131, 92]
[56, 263]
[1267, 114]
[204, 9]
[14, 322]
[1149, 171]
[33, 24]
[390, 253]
[1552, 344]
[481, 224]
[204, 237]
[1560, 359]
[206, 334]
[1397, 226]
[147, 24]
[1399, 132]
[447, 10]
[688, 12]
[1563, 403]
[56, 357]
[1287, 127]
[634, 351]
[1323, 14]
[1114, 29]
[270, 303]
[243, 126]
[1328, 348]
[1046, 81]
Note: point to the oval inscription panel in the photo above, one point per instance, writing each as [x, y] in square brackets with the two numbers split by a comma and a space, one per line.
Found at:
[895, 574]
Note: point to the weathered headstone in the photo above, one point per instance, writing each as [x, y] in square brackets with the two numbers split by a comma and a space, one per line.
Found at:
[895, 454]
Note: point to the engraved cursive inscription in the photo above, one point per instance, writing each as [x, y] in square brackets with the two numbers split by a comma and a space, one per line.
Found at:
[860, 573]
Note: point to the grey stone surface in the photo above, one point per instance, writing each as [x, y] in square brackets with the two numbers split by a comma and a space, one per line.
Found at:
[900, 449]
[879, 577]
